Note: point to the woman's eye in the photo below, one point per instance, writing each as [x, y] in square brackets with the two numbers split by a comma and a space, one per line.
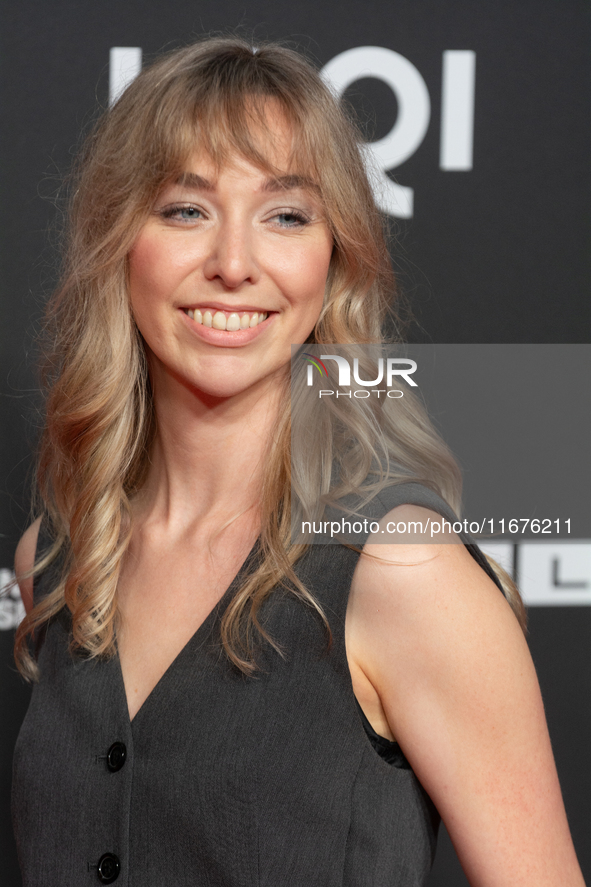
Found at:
[291, 219]
[181, 213]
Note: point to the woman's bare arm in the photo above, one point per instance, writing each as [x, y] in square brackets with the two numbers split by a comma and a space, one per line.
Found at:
[24, 559]
[441, 647]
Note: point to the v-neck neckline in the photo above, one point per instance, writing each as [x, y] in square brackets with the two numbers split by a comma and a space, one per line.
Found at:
[203, 629]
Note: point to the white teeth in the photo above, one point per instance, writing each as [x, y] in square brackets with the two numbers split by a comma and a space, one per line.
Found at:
[232, 323]
[219, 321]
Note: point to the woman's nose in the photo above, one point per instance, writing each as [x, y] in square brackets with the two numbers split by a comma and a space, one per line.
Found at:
[232, 257]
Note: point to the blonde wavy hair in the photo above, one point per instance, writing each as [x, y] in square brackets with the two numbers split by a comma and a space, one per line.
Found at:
[100, 419]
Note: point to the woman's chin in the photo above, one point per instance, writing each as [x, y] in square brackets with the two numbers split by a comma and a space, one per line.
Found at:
[238, 389]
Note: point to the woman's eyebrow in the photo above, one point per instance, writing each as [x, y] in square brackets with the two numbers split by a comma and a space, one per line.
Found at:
[272, 184]
[290, 183]
[193, 180]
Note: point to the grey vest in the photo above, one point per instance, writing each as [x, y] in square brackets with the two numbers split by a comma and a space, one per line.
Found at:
[220, 780]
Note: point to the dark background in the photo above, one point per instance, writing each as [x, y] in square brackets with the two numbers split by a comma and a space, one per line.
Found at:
[498, 253]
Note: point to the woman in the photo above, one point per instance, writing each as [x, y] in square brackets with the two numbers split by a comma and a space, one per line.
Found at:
[195, 717]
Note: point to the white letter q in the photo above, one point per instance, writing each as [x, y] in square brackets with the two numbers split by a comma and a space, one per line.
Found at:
[414, 111]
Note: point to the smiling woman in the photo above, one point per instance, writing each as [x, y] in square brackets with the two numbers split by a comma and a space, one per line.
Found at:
[230, 257]
[225, 701]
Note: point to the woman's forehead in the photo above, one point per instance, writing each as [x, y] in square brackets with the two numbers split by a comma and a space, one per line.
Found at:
[259, 133]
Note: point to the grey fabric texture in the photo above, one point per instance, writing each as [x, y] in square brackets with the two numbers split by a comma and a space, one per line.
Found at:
[229, 781]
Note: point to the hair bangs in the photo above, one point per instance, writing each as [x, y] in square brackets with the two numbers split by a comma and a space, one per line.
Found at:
[263, 129]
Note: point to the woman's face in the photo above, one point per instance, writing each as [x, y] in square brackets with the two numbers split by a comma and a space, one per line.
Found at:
[228, 272]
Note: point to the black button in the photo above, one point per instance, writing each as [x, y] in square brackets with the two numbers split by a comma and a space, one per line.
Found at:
[116, 756]
[108, 868]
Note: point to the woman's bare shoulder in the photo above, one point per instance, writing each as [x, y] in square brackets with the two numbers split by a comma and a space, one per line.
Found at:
[24, 560]
[421, 597]
[446, 656]
[422, 606]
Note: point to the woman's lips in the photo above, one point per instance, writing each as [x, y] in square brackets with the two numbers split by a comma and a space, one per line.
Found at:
[220, 334]
[228, 321]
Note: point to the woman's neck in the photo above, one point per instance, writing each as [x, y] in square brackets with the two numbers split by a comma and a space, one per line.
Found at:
[207, 462]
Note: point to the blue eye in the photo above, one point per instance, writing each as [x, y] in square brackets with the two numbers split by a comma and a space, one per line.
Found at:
[183, 213]
[291, 219]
